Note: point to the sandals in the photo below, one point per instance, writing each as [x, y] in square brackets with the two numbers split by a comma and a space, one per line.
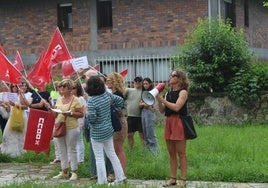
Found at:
[172, 181]
[182, 183]
[110, 178]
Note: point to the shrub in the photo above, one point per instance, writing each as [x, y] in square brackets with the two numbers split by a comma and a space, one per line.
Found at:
[217, 58]
[244, 89]
[246, 86]
[260, 71]
[212, 54]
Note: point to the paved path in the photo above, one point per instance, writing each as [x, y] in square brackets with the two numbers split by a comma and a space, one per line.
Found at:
[17, 173]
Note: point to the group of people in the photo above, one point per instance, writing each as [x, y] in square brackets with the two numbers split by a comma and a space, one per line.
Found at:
[86, 108]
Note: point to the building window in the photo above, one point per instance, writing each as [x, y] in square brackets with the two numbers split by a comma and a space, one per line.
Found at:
[230, 12]
[246, 13]
[65, 22]
[104, 14]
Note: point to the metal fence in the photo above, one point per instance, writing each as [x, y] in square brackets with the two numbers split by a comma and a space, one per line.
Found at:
[156, 67]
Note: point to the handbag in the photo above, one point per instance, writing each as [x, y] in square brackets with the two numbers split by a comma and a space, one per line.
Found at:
[60, 128]
[188, 127]
[116, 123]
[16, 119]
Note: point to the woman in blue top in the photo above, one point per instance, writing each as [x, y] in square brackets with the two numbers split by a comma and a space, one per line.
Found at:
[101, 130]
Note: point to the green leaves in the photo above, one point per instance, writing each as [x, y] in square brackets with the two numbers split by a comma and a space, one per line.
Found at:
[217, 56]
[213, 53]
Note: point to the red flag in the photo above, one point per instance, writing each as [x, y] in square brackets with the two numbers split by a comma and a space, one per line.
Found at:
[124, 72]
[39, 130]
[40, 75]
[67, 68]
[8, 72]
[57, 50]
[18, 62]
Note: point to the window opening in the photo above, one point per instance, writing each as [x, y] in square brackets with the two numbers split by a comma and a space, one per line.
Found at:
[246, 14]
[104, 14]
[65, 22]
[230, 12]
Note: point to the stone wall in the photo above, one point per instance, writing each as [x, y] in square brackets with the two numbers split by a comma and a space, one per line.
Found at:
[213, 109]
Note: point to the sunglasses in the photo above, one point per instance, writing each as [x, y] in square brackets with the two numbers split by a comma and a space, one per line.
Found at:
[64, 86]
[174, 75]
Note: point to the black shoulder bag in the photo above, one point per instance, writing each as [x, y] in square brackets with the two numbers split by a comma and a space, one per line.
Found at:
[188, 126]
[116, 123]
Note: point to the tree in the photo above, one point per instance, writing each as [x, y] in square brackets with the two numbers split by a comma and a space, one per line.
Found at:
[212, 54]
[265, 3]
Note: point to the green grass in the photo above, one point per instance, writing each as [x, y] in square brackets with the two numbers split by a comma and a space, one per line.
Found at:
[220, 153]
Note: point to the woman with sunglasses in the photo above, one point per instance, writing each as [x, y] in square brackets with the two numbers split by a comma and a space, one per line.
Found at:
[173, 104]
[72, 109]
[13, 140]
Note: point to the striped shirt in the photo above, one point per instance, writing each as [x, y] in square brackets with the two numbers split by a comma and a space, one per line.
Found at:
[99, 115]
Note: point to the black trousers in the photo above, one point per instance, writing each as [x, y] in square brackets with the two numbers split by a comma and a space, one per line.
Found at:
[3, 123]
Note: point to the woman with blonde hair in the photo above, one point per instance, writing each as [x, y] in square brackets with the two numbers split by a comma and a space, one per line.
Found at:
[116, 83]
[73, 109]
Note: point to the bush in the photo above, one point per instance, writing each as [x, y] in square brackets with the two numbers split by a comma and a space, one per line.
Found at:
[260, 71]
[218, 59]
[244, 89]
[212, 55]
[246, 86]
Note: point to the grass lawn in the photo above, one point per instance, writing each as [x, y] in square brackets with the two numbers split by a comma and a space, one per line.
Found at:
[220, 153]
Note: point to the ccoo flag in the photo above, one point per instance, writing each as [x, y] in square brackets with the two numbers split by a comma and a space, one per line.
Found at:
[18, 62]
[39, 130]
[8, 72]
[57, 50]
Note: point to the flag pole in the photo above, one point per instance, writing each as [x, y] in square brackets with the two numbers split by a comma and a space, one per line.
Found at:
[31, 86]
[97, 71]
[79, 81]
[5, 83]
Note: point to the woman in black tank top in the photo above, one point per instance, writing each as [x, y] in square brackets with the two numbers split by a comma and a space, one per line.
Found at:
[173, 104]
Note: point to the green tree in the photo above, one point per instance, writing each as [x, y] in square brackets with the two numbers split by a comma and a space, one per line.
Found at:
[213, 53]
[265, 3]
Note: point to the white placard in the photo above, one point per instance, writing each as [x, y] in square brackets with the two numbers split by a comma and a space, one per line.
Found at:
[59, 111]
[80, 63]
[11, 97]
